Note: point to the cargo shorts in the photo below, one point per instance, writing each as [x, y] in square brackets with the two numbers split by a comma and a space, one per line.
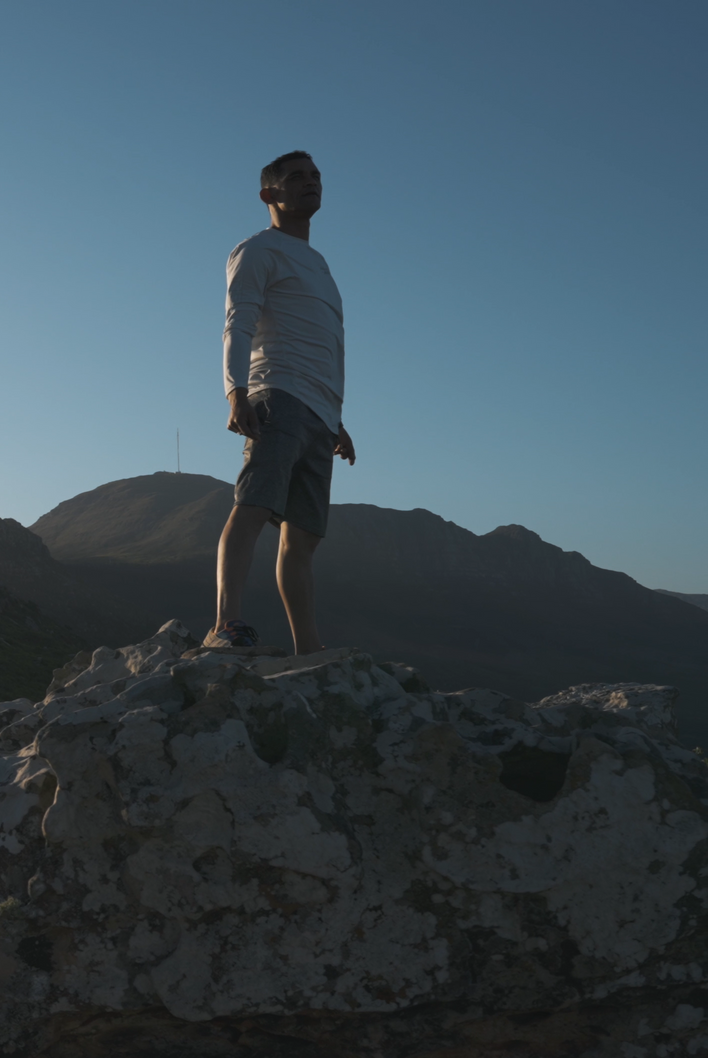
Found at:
[289, 470]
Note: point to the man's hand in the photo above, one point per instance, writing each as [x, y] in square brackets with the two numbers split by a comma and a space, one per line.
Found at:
[345, 447]
[243, 418]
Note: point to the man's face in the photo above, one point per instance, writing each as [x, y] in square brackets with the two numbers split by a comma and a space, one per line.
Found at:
[298, 190]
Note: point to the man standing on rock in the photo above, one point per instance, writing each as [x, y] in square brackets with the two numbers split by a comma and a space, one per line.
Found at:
[284, 378]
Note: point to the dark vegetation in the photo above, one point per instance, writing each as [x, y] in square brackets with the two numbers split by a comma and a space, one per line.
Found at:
[31, 647]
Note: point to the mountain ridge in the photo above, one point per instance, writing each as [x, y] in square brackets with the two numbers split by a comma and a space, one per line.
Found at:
[505, 609]
[189, 531]
[695, 599]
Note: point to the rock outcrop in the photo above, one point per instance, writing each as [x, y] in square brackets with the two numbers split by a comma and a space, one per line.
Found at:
[207, 854]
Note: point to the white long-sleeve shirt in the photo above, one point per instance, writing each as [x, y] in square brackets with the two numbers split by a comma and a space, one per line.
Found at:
[284, 324]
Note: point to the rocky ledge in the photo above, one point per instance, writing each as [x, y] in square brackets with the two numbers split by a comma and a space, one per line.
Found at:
[208, 854]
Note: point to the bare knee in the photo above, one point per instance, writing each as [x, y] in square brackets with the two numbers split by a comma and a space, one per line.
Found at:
[244, 518]
[298, 542]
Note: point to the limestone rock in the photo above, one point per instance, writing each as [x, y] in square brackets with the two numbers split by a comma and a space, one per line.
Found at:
[212, 854]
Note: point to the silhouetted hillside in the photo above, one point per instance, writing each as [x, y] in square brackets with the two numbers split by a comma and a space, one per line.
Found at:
[695, 600]
[28, 571]
[157, 518]
[31, 647]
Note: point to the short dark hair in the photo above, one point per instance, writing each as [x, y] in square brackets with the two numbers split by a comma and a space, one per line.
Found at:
[271, 172]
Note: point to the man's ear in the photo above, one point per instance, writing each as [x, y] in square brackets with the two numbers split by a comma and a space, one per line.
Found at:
[266, 196]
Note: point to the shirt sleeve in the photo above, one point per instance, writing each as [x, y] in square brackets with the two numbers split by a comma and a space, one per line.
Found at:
[247, 276]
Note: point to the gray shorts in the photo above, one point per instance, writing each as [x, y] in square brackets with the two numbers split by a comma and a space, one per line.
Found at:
[289, 470]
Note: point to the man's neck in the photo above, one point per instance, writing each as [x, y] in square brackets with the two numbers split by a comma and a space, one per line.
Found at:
[299, 227]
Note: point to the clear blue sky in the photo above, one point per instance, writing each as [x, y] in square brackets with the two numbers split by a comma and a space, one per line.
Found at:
[514, 210]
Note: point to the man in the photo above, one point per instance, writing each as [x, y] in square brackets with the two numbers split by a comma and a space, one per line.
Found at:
[284, 378]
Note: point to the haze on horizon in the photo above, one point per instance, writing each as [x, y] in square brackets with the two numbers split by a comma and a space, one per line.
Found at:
[514, 211]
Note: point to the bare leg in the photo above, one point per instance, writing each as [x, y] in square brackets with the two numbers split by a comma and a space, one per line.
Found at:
[297, 585]
[236, 546]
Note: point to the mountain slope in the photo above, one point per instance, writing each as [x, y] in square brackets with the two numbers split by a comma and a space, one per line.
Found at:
[31, 647]
[695, 600]
[505, 609]
[157, 518]
[28, 571]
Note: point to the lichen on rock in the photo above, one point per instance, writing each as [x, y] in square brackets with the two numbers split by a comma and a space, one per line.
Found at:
[206, 847]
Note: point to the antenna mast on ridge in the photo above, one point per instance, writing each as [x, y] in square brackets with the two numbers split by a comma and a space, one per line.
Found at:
[178, 469]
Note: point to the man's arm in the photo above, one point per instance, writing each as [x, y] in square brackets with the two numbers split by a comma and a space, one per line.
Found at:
[345, 446]
[247, 279]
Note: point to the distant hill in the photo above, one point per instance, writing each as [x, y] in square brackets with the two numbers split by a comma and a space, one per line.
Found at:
[157, 518]
[695, 600]
[503, 610]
